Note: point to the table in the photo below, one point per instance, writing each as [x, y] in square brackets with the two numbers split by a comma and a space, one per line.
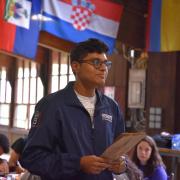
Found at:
[175, 154]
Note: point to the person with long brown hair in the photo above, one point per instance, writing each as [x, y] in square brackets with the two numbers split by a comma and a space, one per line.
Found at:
[146, 156]
[132, 172]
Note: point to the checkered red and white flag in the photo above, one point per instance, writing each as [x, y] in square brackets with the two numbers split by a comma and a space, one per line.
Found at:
[81, 14]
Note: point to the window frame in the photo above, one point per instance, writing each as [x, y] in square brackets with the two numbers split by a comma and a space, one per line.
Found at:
[24, 63]
[56, 57]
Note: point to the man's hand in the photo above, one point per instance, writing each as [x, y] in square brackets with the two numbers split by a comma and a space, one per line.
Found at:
[93, 164]
[119, 166]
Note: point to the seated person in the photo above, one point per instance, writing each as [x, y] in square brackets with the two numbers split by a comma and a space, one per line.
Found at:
[15, 155]
[146, 156]
[4, 148]
[4, 144]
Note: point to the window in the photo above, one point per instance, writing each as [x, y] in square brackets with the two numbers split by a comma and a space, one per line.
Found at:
[29, 90]
[155, 117]
[5, 97]
[61, 71]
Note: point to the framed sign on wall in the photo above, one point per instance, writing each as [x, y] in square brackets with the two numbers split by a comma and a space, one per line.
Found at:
[136, 90]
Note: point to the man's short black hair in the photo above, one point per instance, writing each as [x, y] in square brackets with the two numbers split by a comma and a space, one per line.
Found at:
[4, 143]
[82, 49]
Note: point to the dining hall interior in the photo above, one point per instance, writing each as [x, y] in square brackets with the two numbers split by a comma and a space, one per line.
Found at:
[145, 84]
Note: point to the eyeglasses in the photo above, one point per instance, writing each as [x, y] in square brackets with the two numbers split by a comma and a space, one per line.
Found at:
[97, 63]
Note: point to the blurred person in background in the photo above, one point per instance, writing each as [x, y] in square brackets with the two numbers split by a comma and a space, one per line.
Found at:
[146, 156]
[132, 172]
[4, 149]
[15, 155]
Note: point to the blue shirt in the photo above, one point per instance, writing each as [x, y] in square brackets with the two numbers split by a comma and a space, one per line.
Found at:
[159, 173]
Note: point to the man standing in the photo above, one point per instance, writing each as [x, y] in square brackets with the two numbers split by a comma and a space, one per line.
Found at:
[72, 127]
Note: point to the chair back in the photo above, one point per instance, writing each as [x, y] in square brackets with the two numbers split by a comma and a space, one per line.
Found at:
[171, 177]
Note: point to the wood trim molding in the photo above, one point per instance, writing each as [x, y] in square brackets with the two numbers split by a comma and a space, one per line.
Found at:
[52, 42]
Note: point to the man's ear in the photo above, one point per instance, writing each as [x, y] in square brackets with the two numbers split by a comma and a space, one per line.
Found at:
[75, 67]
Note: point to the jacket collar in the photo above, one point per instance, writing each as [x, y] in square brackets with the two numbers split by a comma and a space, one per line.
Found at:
[72, 99]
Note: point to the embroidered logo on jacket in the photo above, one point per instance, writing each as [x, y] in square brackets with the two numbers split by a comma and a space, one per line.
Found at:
[106, 117]
[36, 119]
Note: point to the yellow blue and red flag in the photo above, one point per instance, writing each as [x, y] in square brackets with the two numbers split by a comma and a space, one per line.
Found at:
[163, 26]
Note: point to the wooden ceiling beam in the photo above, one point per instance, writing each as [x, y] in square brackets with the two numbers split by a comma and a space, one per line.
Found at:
[52, 42]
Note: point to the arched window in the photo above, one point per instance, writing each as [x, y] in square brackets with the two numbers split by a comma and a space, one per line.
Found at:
[29, 89]
[61, 72]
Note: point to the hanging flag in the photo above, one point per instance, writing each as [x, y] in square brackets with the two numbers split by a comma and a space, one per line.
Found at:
[78, 20]
[18, 32]
[163, 24]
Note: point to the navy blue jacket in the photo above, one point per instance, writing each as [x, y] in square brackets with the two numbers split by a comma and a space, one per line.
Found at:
[62, 133]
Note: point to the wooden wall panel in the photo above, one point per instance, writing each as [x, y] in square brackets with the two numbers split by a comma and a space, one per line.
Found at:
[121, 82]
[121, 98]
[132, 24]
[42, 55]
[177, 98]
[161, 80]
[5, 60]
[52, 42]
[117, 77]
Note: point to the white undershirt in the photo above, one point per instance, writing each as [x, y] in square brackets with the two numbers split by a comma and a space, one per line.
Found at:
[88, 103]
